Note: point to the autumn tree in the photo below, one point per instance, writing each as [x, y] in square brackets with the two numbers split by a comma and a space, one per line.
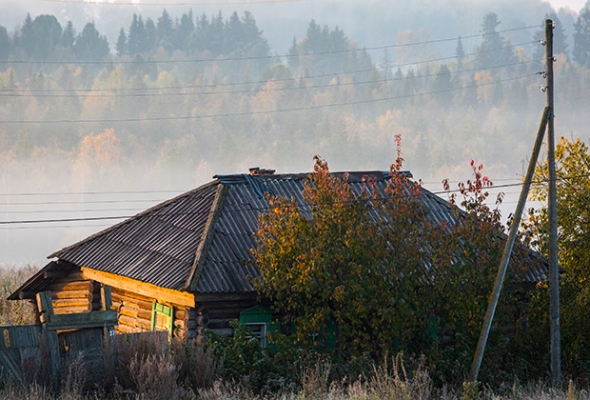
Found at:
[374, 269]
[573, 218]
[332, 263]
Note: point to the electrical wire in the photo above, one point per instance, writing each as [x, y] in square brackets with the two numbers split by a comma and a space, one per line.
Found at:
[262, 112]
[267, 57]
[260, 90]
[92, 193]
[236, 208]
[193, 4]
[291, 79]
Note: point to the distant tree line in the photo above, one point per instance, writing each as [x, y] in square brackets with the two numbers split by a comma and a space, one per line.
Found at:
[220, 91]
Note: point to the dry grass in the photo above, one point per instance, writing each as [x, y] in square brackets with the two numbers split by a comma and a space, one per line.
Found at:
[157, 377]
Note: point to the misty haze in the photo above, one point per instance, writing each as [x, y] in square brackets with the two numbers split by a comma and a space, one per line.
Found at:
[106, 111]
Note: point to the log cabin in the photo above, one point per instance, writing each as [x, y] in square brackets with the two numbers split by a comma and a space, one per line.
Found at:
[184, 266]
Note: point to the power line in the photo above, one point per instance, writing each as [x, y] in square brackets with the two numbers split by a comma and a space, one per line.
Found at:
[84, 202]
[197, 4]
[291, 79]
[91, 193]
[237, 209]
[267, 57]
[152, 191]
[263, 112]
[261, 90]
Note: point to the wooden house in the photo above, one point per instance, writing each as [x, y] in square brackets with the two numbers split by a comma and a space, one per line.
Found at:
[183, 266]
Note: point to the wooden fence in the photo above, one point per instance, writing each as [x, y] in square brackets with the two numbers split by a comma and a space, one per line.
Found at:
[29, 352]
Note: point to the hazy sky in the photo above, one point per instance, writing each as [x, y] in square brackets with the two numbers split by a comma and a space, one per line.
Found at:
[575, 5]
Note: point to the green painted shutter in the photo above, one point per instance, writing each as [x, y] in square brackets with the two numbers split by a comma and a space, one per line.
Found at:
[162, 318]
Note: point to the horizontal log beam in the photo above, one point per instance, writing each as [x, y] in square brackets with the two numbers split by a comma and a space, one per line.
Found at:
[184, 335]
[121, 328]
[135, 323]
[77, 285]
[62, 303]
[95, 319]
[146, 289]
[72, 294]
[135, 313]
[180, 324]
[185, 314]
[74, 310]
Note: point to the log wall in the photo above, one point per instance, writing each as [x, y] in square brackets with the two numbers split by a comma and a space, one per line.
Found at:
[219, 314]
[72, 294]
[134, 311]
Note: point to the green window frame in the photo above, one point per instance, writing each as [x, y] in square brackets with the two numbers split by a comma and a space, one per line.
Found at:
[162, 318]
[259, 320]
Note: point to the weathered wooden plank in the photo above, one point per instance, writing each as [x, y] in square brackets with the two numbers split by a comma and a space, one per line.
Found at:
[77, 285]
[10, 364]
[122, 328]
[123, 294]
[199, 298]
[44, 302]
[144, 305]
[54, 274]
[184, 335]
[75, 310]
[72, 294]
[134, 312]
[94, 319]
[63, 303]
[145, 289]
[142, 324]
[185, 314]
[106, 297]
[190, 324]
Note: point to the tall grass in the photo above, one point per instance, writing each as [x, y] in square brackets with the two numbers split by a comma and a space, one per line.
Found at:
[149, 367]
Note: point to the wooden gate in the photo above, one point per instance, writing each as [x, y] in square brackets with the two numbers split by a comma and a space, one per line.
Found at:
[30, 351]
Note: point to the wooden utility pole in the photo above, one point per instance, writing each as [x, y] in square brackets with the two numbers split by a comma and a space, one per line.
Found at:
[547, 122]
[495, 296]
[552, 213]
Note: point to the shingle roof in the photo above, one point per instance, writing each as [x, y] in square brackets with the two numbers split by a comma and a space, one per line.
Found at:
[200, 241]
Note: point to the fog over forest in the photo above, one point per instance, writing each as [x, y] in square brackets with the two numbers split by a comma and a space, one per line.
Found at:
[107, 110]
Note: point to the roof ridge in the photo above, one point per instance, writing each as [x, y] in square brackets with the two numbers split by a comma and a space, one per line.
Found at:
[133, 218]
[206, 237]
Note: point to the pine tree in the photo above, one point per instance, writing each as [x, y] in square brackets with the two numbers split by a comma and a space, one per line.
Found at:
[459, 54]
[137, 43]
[151, 34]
[581, 51]
[122, 43]
[184, 30]
[494, 51]
[165, 28]
[69, 35]
[5, 44]
[386, 65]
[90, 45]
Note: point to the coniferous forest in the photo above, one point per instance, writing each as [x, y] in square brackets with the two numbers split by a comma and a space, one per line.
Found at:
[178, 99]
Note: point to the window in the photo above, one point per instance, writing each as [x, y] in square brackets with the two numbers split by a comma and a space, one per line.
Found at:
[162, 318]
[258, 319]
[259, 330]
